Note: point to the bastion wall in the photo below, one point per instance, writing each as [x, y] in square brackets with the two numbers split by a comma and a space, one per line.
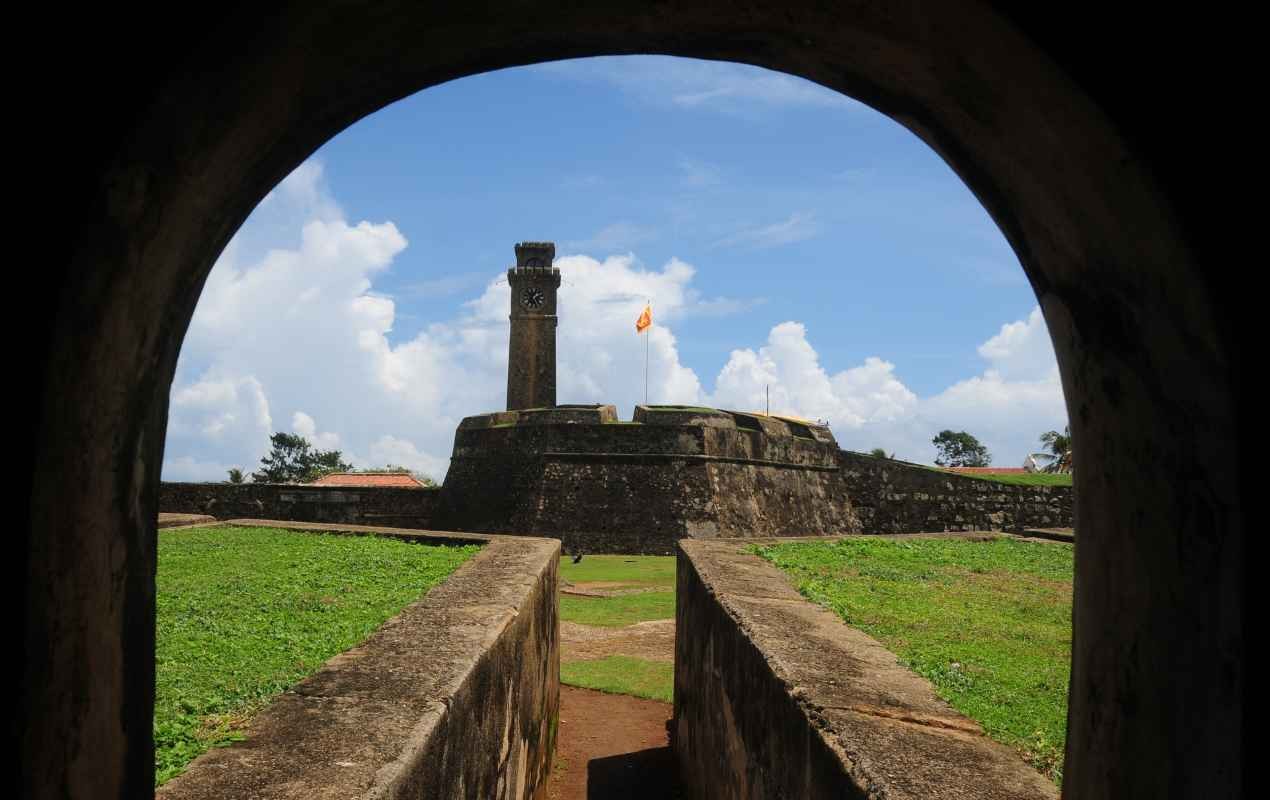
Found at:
[599, 484]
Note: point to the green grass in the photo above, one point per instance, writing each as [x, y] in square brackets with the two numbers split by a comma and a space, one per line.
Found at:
[617, 612]
[245, 613]
[623, 675]
[656, 572]
[634, 570]
[988, 623]
[1025, 478]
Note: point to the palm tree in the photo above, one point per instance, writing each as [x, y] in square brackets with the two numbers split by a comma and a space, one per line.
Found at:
[1059, 445]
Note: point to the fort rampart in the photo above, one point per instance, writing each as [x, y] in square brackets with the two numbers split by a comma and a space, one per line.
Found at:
[386, 506]
[600, 485]
[578, 474]
[898, 497]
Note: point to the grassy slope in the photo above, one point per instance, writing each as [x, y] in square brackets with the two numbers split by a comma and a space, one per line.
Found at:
[1026, 478]
[988, 623]
[244, 613]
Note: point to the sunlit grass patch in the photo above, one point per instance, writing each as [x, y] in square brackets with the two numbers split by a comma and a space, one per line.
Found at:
[988, 623]
[615, 612]
[654, 680]
[245, 613]
[632, 570]
[1024, 478]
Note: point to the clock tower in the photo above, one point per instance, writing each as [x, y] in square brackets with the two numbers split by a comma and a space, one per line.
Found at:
[531, 353]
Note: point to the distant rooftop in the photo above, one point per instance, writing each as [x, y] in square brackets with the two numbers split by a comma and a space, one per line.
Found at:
[400, 480]
[987, 470]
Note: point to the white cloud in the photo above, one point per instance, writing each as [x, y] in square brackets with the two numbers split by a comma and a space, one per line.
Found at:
[799, 226]
[789, 367]
[1022, 350]
[389, 449]
[692, 84]
[1007, 407]
[297, 333]
[304, 425]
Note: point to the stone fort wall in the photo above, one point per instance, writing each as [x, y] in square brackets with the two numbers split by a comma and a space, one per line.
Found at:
[385, 506]
[578, 474]
[898, 497]
[601, 485]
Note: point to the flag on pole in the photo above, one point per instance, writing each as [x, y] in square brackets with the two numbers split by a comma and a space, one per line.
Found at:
[645, 320]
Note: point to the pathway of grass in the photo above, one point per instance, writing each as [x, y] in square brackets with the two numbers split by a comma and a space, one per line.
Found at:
[988, 623]
[620, 674]
[245, 613]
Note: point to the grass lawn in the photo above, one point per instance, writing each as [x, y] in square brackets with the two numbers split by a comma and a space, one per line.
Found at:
[245, 613]
[1025, 478]
[654, 680]
[617, 673]
[656, 571]
[620, 572]
[617, 612]
[988, 623]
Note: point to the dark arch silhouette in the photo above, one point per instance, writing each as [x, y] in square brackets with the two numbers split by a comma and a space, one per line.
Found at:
[1062, 124]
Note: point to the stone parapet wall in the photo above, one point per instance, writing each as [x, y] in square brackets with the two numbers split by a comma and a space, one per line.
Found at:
[387, 506]
[897, 497]
[611, 487]
[639, 487]
[776, 697]
[456, 696]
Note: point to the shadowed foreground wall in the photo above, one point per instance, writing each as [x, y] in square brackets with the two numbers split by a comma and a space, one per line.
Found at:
[457, 696]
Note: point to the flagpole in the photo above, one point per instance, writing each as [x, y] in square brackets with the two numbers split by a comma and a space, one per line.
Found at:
[647, 336]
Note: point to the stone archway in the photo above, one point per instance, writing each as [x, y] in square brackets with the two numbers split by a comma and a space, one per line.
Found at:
[186, 132]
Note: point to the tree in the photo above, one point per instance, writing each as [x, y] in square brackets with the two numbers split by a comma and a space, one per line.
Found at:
[235, 475]
[293, 460]
[1059, 445]
[878, 452]
[960, 449]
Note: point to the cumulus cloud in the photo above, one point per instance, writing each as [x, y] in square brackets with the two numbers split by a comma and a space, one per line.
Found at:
[1022, 350]
[298, 334]
[290, 332]
[1016, 397]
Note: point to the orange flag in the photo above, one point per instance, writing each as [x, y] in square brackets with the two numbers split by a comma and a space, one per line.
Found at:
[645, 320]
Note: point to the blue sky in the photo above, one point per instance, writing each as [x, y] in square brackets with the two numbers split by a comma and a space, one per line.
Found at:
[787, 235]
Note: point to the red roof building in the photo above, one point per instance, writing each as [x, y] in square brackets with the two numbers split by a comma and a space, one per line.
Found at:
[366, 480]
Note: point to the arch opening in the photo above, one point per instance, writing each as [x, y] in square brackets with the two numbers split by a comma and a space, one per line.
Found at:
[1149, 370]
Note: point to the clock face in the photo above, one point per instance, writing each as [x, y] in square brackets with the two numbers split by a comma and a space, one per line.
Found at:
[532, 297]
